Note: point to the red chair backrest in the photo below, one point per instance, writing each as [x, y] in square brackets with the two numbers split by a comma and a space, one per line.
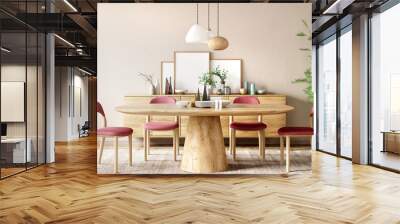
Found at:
[246, 100]
[163, 100]
[100, 110]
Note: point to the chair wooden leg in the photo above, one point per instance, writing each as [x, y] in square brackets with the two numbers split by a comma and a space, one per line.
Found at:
[116, 155]
[261, 144]
[233, 140]
[145, 139]
[178, 151]
[101, 149]
[130, 150]
[176, 143]
[148, 143]
[281, 144]
[230, 141]
[287, 154]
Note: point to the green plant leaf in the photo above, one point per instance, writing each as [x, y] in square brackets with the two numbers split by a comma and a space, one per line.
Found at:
[301, 34]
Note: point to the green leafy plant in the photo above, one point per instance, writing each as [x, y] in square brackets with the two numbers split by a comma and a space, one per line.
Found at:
[307, 79]
[222, 74]
[207, 79]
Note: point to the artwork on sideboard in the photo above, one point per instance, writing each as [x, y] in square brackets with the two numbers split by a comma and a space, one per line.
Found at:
[188, 66]
[167, 77]
[234, 72]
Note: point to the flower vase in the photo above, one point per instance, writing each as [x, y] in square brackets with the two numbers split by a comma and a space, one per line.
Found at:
[204, 97]
[151, 90]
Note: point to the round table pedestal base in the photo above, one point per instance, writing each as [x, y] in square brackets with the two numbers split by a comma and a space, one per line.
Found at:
[204, 150]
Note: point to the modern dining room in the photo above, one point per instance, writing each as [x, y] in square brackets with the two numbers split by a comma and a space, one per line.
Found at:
[160, 111]
[196, 89]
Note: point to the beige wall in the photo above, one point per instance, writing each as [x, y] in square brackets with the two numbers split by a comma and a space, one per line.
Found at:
[135, 38]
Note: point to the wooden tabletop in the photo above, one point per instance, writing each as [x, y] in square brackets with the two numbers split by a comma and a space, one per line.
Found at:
[232, 109]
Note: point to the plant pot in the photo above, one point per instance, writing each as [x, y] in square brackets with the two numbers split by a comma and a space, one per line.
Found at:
[151, 90]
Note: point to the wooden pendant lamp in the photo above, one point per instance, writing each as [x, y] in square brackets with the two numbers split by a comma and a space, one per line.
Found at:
[218, 43]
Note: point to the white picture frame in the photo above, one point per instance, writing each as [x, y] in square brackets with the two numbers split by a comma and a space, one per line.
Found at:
[189, 65]
[167, 71]
[234, 68]
[13, 101]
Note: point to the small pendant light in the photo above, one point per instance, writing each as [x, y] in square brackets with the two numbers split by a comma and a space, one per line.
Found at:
[196, 33]
[218, 43]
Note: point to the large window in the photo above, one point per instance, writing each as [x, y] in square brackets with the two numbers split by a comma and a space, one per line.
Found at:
[346, 93]
[335, 108]
[327, 95]
[385, 89]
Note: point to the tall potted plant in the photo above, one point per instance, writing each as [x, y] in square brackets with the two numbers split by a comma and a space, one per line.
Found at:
[307, 79]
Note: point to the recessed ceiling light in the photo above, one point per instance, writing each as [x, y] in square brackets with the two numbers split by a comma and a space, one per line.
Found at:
[64, 40]
[5, 50]
[84, 71]
[70, 5]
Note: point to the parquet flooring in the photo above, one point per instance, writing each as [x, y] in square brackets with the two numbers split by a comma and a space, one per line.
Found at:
[70, 191]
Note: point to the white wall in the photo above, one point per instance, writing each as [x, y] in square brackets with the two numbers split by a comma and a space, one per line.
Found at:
[135, 38]
[66, 119]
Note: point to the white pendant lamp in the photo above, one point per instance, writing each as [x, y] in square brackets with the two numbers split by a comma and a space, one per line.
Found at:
[196, 33]
[218, 43]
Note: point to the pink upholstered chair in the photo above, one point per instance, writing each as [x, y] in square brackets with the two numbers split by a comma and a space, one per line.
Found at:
[161, 126]
[116, 133]
[258, 126]
[288, 132]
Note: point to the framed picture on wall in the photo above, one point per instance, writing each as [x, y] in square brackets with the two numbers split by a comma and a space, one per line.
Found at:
[167, 73]
[189, 65]
[234, 69]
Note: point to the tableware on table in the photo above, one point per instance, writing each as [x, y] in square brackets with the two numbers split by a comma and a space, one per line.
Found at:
[243, 91]
[227, 90]
[204, 104]
[183, 103]
[180, 91]
[211, 103]
[261, 91]
[246, 86]
[252, 89]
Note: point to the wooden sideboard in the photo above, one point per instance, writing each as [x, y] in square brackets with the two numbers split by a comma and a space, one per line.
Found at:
[274, 122]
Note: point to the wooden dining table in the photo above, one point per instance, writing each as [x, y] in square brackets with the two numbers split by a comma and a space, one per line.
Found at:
[204, 149]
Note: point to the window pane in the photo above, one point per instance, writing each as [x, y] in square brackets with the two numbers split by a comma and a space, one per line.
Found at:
[14, 153]
[327, 96]
[385, 83]
[346, 94]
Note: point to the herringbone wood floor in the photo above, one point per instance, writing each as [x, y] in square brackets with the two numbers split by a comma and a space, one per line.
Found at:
[70, 191]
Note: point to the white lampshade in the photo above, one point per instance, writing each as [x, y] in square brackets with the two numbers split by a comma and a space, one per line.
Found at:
[210, 35]
[196, 34]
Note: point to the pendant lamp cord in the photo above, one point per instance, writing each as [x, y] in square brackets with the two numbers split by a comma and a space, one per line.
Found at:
[208, 16]
[197, 13]
[218, 18]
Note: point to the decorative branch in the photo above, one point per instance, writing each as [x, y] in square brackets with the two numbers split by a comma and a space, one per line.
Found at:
[148, 78]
